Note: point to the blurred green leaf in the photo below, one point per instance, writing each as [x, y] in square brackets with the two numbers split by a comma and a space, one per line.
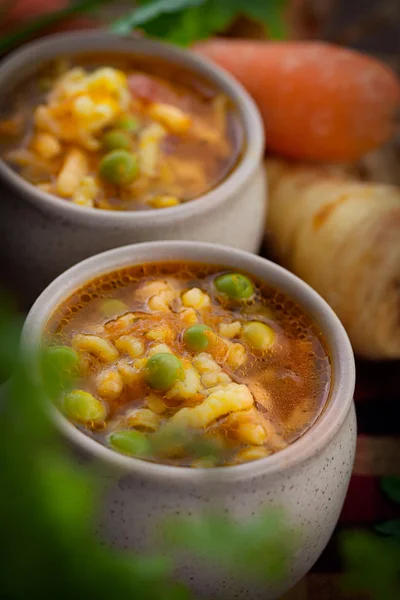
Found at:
[200, 19]
[372, 565]
[259, 547]
[391, 487]
[390, 529]
[148, 11]
[270, 14]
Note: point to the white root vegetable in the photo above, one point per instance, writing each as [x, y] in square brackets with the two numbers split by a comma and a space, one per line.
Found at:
[343, 238]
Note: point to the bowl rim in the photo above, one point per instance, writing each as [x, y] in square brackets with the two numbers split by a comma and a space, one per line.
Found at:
[340, 351]
[90, 41]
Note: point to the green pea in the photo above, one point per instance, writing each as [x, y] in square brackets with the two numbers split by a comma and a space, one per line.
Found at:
[62, 358]
[130, 124]
[234, 285]
[163, 370]
[115, 139]
[119, 167]
[129, 441]
[82, 406]
[259, 335]
[196, 338]
[112, 307]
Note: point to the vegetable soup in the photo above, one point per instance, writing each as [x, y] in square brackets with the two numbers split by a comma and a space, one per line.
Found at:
[189, 364]
[120, 133]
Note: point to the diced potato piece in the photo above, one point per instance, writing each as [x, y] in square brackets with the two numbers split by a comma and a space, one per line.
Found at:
[234, 397]
[156, 404]
[236, 355]
[96, 346]
[215, 378]
[172, 117]
[230, 330]
[46, 145]
[163, 201]
[252, 453]
[188, 316]
[149, 148]
[196, 298]
[86, 192]
[142, 418]
[188, 387]
[131, 345]
[158, 349]
[205, 363]
[74, 169]
[109, 384]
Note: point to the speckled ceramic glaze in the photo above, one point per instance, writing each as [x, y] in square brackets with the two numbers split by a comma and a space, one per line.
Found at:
[44, 235]
[308, 479]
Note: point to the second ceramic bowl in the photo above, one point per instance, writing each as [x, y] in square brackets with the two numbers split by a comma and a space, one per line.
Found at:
[43, 235]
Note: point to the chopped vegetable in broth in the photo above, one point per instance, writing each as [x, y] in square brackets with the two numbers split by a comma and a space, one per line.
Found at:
[189, 364]
[120, 133]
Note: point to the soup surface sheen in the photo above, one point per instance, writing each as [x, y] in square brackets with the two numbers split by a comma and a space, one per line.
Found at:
[189, 364]
[120, 133]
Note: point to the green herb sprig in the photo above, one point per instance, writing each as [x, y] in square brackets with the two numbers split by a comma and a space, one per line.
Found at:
[180, 22]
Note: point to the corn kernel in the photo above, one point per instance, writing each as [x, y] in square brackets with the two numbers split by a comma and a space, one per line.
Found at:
[188, 316]
[259, 335]
[163, 201]
[46, 145]
[196, 298]
[159, 348]
[84, 106]
[149, 148]
[110, 384]
[172, 117]
[143, 419]
[255, 453]
[156, 404]
[230, 330]
[86, 192]
[161, 334]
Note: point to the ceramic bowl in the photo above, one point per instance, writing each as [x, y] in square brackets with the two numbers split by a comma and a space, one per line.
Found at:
[43, 235]
[308, 480]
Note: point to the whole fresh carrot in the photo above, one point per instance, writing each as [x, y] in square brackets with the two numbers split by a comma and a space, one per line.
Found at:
[318, 101]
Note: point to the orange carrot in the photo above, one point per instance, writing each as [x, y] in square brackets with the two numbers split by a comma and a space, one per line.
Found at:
[318, 101]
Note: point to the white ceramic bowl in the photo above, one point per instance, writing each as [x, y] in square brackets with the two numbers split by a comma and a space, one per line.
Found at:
[309, 479]
[43, 235]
